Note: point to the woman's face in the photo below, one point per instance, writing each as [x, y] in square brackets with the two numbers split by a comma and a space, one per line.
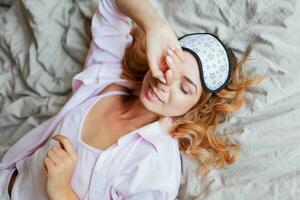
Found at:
[176, 97]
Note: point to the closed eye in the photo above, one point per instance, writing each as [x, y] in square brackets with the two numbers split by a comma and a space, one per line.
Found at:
[185, 92]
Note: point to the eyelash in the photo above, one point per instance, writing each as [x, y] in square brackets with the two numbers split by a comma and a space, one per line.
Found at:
[182, 89]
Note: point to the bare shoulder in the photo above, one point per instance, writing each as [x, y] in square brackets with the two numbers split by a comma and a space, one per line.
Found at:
[113, 87]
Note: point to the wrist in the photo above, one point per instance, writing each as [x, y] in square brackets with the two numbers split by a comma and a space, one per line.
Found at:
[143, 13]
[67, 194]
[156, 24]
[71, 195]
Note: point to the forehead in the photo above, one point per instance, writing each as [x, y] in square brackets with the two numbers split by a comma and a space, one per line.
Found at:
[191, 69]
[190, 58]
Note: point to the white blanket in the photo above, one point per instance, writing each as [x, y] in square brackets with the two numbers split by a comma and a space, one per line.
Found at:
[43, 45]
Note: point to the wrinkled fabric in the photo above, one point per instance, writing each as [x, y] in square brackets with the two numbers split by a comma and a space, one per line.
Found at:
[123, 170]
[5, 176]
[43, 44]
[86, 84]
[152, 176]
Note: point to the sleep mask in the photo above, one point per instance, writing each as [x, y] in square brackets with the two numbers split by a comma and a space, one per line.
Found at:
[213, 58]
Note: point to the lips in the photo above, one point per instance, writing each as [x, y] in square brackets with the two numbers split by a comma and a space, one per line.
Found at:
[155, 93]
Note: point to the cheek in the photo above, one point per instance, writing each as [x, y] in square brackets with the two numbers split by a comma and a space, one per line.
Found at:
[147, 77]
[185, 105]
[179, 105]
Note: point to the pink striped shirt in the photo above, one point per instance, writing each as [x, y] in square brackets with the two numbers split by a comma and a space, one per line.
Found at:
[143, 164]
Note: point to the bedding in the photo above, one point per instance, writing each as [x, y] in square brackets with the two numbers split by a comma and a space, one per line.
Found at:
[43, 44]
[6, 2]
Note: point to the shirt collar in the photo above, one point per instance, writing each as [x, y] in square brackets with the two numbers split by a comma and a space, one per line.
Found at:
[156, 133]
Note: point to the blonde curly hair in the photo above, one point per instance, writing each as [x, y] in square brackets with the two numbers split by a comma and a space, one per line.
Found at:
[195, 130]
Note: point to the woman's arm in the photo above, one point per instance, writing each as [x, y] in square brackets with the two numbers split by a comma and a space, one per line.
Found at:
[110, 36]
[159, 34]
[142, 13]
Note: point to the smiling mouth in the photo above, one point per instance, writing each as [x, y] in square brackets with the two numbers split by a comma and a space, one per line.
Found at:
[155, 93]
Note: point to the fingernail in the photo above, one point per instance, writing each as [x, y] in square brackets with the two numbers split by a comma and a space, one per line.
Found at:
[173, 48]
[170, 52]
[169, 59]
[163, 80]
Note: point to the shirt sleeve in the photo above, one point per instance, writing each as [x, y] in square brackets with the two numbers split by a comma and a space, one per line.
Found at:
[146, 195]
[25, 146]
[110, 38]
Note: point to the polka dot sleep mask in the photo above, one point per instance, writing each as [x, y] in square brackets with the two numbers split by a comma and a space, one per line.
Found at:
[212, 57]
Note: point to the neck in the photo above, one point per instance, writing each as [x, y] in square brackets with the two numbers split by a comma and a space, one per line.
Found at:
[132, 110]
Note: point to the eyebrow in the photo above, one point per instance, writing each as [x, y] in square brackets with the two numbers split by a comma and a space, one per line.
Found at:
[189, 80]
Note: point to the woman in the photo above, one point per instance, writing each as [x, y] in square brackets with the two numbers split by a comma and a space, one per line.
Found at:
[159, 100]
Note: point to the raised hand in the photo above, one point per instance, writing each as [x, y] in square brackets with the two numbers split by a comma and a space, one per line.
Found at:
[174, 60]
[158, 41]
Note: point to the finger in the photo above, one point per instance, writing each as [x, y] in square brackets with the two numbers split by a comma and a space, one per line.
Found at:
[154, 68]
[173, 65]
[177, 61]
[48, 164]
[65, 144]
[44, 164]
[54, 157]
[169, 77]
[175, 58]
[179, 52]
[170, 51]
[57, 149]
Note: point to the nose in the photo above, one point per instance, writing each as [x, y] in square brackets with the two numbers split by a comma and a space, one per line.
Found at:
[161, 86]
[172, 76]
[169, 81]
